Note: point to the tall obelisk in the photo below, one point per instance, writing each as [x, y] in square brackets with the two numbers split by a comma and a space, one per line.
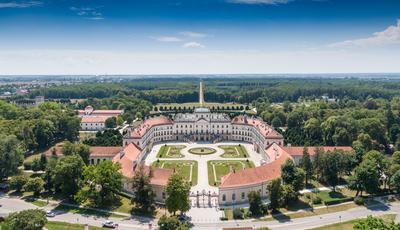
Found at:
[201, 95]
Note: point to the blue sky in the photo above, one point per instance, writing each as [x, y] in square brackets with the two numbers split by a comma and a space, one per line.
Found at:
[199, 36]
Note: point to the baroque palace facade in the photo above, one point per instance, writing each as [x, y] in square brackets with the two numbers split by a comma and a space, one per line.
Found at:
[203, 125]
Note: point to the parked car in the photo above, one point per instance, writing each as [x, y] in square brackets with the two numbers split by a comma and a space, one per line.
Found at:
[4, 187]
[109, 224]
[50, 214]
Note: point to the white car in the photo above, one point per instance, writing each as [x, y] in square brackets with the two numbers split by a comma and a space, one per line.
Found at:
[50, 214]
[109, 224]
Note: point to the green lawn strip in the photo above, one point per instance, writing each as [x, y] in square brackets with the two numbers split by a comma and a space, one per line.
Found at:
[170, 151]
[234, 151]
[348, 225]
[86, 211]
[38, 203]
[57, 225]
[181, 166]
[319, 211]
[222, 168]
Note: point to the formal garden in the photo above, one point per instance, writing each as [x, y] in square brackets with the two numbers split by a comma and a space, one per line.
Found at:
[170, 151]
[186, 168]
[234, 151]
[220, 168]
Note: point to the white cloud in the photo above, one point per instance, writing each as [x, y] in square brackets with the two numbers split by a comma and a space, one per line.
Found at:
[265, 2]
[20, 4]
[167, 39]
[389, 36]
[192, 45]
[88, 13]
[193, 34]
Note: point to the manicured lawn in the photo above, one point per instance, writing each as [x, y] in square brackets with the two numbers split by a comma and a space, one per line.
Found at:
[56, 225]
[170, 151]
[348, 225]
[234, 151]
[31, 158]
[184, 168]
[219, 168]
[38, 203]
[85, 211]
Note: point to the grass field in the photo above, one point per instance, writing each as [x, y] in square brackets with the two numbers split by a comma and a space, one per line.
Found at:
[234, 151]
[184, 168]
[170, 151]
[348, 225]
[218, 169]
[56, 225]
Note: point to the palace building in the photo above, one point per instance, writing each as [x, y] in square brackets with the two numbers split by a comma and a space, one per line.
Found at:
[203, 125]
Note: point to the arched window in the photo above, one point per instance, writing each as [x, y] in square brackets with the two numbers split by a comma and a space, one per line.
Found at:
[243, 195]
[223, 197]
[233, 196]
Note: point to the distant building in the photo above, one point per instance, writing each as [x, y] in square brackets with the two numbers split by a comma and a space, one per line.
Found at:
[94, 120]
[39, 100]
[97, 153]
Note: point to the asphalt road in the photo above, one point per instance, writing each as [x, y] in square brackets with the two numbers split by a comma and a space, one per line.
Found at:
[9, 205]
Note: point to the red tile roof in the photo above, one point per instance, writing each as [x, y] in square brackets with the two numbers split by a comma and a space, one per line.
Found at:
[298, 150]
[265, 129]
[104, 151]
[128, 159]
[106, 113]
[148, 124]
[92, 119]
[95, 151]
[128, 162]
[257, 175]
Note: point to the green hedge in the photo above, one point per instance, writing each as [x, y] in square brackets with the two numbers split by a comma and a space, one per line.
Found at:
[339, 201]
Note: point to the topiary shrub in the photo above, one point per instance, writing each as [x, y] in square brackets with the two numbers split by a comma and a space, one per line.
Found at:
[237, 213]
[316, 200]
[359, 200]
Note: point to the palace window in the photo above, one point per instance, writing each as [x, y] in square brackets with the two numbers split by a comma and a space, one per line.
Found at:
[243, 195]
[233, 196]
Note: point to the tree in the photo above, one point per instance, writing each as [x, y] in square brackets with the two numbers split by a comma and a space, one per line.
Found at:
[177, 191]
[67, 174]
[18, 182]
[44, 132]
[82, 150]
[275, 193]
[171, 223]
[255, 203]
[31, 219]
[331, 168]
[395, 181]
[276, 122]
[143, 194]
[292, 175]
[11, 156]
[306, 165]
[372, 223]
[317, 163]
[288, 195]
[34, 185]
[365, 178]
[111, 123]
[101, 182]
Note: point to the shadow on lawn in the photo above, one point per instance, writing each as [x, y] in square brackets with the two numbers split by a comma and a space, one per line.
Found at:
[279, 216]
